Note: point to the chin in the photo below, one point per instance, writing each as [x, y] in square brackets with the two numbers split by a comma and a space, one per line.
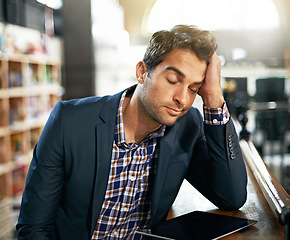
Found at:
[165, 119]
[169, 124]
[166, 122]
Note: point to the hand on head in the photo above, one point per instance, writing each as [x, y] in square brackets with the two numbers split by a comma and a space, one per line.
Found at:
[211, 91]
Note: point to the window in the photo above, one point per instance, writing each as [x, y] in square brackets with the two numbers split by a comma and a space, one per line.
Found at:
[214, 14]
[56, 4]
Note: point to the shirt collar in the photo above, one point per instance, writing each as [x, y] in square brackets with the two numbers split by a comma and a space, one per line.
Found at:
[120, 138]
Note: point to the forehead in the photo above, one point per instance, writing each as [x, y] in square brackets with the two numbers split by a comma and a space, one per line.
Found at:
[185, 61]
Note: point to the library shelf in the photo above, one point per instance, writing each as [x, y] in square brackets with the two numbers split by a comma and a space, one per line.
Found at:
[30, 86]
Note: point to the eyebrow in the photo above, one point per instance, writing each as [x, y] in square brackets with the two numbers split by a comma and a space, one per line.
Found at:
[181, 74]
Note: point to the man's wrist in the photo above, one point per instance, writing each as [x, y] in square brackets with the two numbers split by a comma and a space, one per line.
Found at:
[214, 101]
[216, 116]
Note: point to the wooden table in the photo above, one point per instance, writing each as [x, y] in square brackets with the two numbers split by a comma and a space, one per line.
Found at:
[256, 208]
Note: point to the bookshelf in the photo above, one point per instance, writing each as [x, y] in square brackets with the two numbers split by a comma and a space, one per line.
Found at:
[29, 88]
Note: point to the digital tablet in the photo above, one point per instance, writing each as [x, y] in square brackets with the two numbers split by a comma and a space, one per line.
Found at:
[198, 225]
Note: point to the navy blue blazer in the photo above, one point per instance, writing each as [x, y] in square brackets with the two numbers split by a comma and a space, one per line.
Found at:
[68, 175]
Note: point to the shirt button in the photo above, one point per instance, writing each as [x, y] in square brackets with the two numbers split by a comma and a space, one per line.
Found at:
[115, 233]
[215, 121]
[225, 119]
[125, 209]
[132, 178]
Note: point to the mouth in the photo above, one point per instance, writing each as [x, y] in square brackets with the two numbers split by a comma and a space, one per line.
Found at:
[173, 112]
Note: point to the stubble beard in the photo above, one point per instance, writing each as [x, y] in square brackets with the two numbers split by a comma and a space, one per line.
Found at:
[155, 111]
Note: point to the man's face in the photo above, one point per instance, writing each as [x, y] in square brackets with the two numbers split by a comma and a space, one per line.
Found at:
[169, 91]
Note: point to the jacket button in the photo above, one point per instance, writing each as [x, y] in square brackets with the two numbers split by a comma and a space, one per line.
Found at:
[233, 156]
[230, 137]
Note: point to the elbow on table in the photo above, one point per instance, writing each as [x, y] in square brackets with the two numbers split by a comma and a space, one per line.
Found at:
[29, 232]
[234, 203]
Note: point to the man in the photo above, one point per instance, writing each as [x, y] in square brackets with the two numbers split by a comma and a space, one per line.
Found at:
[106, 167]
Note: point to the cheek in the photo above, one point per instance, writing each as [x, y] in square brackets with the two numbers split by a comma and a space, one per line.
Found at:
[162, 94]
[191, 100]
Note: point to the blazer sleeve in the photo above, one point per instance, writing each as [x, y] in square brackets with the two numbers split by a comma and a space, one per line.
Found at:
[217, 168]
[41, 197]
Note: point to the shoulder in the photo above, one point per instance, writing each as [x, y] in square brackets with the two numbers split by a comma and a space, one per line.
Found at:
[185, 132]
[86, 110]
[86, 104]
[192, 118]
[83, 102]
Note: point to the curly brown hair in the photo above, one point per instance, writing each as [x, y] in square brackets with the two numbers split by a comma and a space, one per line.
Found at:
[201, 42]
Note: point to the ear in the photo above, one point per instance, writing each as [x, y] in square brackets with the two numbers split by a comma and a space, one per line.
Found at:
[141, 71]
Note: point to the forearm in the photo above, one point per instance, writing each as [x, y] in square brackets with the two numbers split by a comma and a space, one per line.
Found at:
[212, 171]
[27, 232]
[40, 202]
[41, 197]
[228, 177]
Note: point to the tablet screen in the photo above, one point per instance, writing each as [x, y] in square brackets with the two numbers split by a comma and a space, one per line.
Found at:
[199, 225]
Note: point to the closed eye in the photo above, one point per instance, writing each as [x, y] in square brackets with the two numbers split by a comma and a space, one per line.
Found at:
[193, 90]
[172, 82]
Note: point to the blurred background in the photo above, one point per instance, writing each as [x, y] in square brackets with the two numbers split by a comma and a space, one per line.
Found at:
[64, 49]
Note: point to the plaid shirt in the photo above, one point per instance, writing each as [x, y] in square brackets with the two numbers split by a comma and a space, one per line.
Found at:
[127, 204]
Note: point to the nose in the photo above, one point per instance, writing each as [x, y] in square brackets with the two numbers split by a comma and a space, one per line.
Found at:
[180, 96]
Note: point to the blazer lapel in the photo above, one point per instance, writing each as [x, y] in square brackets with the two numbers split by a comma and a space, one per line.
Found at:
[162, 164]
[105, 129]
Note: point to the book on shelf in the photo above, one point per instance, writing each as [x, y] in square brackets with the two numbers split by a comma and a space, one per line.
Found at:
[16, 110]
[14, 79]
[16, 144]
